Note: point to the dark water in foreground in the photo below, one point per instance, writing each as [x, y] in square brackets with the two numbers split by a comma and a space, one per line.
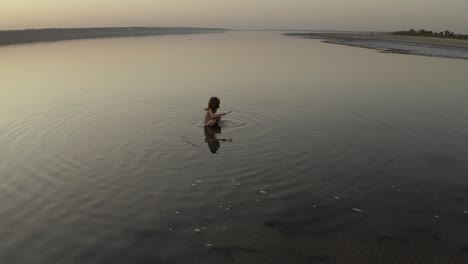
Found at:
[332, 154]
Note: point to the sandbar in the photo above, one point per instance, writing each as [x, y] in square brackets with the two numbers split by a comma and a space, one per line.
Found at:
[389, 43]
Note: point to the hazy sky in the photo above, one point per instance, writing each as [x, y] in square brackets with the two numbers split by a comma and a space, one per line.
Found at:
[241, 14]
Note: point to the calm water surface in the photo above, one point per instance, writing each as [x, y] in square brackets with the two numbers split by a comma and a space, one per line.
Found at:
[332, 154]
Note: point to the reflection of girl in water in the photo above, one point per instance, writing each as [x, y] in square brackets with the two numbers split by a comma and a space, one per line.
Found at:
[211, 140]
[211, 118]
[210, 137]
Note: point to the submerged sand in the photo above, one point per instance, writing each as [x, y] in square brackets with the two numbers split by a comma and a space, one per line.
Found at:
[389, 43]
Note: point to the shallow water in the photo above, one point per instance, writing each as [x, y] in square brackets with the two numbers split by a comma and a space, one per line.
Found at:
[332, 154]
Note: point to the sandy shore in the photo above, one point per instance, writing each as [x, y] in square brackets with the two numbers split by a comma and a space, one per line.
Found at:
[12, 37]
[388, 43]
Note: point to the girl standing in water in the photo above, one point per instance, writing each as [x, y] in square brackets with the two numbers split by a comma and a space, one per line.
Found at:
[211, 118]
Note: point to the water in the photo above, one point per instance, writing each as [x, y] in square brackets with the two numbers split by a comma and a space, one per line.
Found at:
[332, 154]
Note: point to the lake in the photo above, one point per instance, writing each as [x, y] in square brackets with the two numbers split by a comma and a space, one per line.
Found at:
[332, 154]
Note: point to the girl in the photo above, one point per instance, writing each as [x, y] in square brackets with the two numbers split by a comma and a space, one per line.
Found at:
[211, 118]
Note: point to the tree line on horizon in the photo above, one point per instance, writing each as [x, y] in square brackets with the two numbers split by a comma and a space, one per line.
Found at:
[430, 33]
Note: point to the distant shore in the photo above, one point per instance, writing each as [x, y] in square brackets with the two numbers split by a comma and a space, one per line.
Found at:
[12, 37]
[389, 43]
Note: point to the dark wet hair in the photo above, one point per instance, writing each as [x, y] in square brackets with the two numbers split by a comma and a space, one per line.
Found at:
[213, 104]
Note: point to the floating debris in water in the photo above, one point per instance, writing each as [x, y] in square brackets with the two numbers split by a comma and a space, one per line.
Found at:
[177, 212]
[314, 206]
[224, 228]
[337, 197]
[237, 184]
[227, 208]
[193, 184]
[197, 230]
[100, 157]
[220, 206]
[208, 245]
[357, 209]
[466, 212]
[199, 181]
[418, 190]
[170, 229]
[436, 216]
[263, 192]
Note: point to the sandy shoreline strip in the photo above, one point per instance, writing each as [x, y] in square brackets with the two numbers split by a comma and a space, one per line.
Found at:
[388, 43]
[13, 37]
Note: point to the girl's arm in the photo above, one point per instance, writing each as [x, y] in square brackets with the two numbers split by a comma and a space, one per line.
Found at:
[213, 115]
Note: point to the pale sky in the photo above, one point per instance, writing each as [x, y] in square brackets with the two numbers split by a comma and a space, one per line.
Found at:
[379, 15]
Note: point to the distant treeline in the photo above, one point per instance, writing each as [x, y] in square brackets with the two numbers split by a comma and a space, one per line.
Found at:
[430, 33]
